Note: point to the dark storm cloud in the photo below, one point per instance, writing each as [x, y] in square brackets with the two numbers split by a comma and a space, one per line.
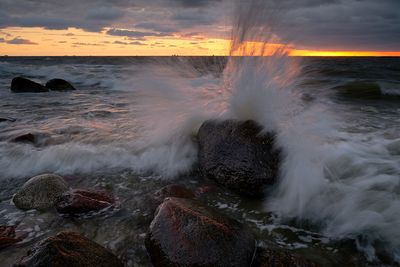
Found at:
[105, 13]
[345, 24]
[325, 24]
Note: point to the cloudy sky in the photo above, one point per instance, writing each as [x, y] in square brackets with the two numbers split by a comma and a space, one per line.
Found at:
[189, 27]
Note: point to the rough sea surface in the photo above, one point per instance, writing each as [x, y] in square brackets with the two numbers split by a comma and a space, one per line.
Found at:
[130, 128]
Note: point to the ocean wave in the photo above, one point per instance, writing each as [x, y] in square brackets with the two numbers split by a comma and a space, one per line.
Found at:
[361, 89]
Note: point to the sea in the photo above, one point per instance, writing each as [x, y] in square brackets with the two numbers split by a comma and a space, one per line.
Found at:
[131, 125]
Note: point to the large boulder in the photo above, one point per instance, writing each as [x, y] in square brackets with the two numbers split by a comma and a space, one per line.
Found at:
[40, 192]
[69, 249]
[280, 258]
[59, 85]
[186, 233]
[22, 85]
[238, 155]
[79, 201]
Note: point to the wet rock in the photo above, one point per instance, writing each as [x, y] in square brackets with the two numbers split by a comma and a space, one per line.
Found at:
[25, 138]
[204, 190]
[40, 192]
[22, 85]
[7, 236]
[80, 201]
[237, 155]
[280, 258]
[7, 119]
[69, 249]
[59, 85]
[186, 233]
[174, 190]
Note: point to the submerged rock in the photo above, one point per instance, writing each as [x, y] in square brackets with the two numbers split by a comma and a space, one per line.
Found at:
[174, 190]
[59, 85]
[22, 85]
[7, 119]
[7, 236]
[186, 233]
[80, 201]
[69, 249]
[360, 90]
[280, 258]
[40, 192]
[25, 138]
[238, 155]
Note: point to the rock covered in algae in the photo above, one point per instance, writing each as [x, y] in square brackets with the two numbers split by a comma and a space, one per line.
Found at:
[40, 192]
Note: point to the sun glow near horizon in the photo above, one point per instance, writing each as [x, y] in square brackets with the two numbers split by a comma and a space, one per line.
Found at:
[17, 41]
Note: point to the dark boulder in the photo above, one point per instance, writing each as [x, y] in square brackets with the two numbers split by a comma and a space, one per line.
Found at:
[80, 201]
[238, 155]
[59, 85]
[7, 120]
[69, 249]
[22, 85]
[25, 138]
[8, 236]
[186, 233]
[280, 258]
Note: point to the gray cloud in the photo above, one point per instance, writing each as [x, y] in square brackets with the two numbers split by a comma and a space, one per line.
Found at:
[105, 13]
[17, 41]
[134, 34]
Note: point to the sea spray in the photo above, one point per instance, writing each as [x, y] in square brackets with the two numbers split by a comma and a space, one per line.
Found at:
[359, 202]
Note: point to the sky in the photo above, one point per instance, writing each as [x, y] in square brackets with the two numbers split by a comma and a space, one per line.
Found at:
[192, 27]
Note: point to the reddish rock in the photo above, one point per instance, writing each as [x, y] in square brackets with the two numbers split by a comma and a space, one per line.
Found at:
[80, 201]
[174, 190]
[69, 249]
[186, 233]
[204, 190]
[7, 236]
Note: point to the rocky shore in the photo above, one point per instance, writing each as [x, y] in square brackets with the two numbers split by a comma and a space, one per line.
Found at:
[182, 226]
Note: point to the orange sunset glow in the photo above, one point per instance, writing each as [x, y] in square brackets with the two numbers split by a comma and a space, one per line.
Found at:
[77, 42]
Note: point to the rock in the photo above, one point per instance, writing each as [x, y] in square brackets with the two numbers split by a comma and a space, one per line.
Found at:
[59, 85]
[237, 155]
[22, 85]
[174, 190]
[360, 90]
[186, 233]
[204, 190]
[7, 236]
[280, 258]
[7, 119]
[40, 192]
[25, 138]
[69, 249]
[80, 201]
